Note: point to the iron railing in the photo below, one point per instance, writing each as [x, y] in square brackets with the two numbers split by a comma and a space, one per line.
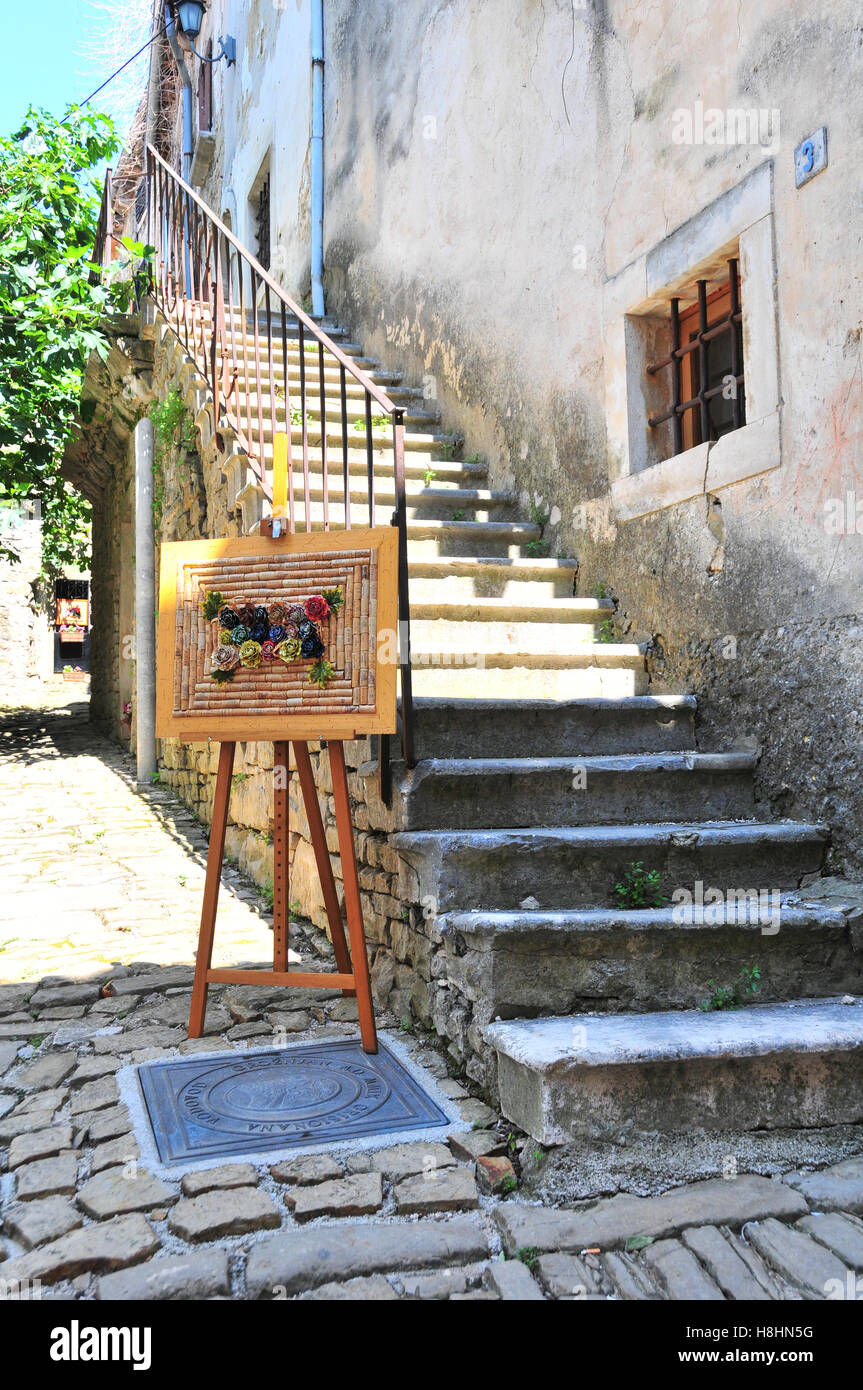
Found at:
[235, 322]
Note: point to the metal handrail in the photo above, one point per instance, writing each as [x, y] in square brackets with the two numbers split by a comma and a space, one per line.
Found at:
[209, 287]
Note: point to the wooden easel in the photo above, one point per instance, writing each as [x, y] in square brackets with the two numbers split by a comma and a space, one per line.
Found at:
[352, 974]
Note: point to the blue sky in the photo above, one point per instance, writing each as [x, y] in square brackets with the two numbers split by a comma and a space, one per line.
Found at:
[55, 52]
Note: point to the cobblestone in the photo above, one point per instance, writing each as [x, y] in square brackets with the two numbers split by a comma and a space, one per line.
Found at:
[111, 931]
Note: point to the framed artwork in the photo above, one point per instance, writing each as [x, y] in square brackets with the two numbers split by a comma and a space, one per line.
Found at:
[73, 612]
[293, 638]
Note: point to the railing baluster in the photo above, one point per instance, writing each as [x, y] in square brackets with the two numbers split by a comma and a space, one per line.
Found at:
[370, 460]
[259, 393]
[324, 464]
[305, 424]
[233, 317]
[404, 589]
[271, 370]
[292, 518]
[244, 338]
[346, 472]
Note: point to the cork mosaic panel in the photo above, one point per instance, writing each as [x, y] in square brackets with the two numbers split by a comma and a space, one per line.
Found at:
[348, 635]
[264, 699]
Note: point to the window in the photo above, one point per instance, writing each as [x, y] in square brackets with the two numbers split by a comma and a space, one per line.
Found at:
[262, 221]
[705, 365]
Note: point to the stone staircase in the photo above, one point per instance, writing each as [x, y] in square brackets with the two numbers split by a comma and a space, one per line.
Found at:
[545, 769]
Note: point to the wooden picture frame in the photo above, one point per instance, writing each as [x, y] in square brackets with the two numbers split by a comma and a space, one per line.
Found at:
[277, 702]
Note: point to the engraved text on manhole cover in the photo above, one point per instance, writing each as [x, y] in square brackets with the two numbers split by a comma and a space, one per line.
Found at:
[286, 1097]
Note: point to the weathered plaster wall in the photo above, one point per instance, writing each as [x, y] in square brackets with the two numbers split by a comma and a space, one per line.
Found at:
[472, 221]
[262, 109]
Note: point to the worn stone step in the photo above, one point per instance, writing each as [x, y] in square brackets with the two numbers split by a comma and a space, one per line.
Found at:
[794, 1064]
[477, 793]
[440, 675]
[513, 616]
[578, 867]
[464, 577]
[484, 728]
[245, 404]
[526, 964]
[514, 643]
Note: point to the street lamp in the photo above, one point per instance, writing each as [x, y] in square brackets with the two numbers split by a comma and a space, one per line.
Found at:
[190, 14]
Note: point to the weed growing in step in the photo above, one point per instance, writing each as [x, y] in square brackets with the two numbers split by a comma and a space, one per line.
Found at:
[429, 475]
[639, 888]
[732, 996]
[268, 895]
[528, 1254]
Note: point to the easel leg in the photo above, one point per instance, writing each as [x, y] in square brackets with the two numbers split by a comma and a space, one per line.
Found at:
[281, 912]
[322, 858]
[204, 956]
[353, 906]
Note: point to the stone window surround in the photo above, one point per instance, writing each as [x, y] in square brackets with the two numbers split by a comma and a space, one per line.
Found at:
[739, 222]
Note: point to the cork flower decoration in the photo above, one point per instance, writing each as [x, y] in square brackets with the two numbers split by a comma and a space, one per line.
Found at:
[251, 635]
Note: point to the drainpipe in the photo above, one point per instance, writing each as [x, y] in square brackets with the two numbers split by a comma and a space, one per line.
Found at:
[317, 158]
[145, 604]
[187, 91]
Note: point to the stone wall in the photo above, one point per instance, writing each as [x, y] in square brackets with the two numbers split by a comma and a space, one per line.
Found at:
[26, 634]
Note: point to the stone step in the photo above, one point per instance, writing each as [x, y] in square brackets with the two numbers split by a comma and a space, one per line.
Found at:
[552, 641]
[524, 578]
[525, 964]
[245, 403]
[449, 474]
[585, 613]
[578, 866]
[422, 503]
[426, 452]
[445, 676]
[797, 1064]
[424, 441]
[491, 793]
[484, 728]
[405, 396]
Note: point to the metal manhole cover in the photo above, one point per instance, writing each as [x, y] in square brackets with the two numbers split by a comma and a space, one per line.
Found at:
[296, 1097]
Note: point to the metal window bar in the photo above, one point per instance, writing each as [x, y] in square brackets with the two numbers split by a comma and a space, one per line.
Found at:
[207, 285]
[728, 323]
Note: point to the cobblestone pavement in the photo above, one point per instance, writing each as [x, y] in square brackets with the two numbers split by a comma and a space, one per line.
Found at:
[97, 927]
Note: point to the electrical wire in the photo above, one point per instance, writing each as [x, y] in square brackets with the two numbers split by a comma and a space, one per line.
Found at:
[141, 50]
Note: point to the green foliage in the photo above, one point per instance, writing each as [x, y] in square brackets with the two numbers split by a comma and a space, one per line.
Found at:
[173, 428]
[379, 422]
[211, 605]
[639, 888]
[606, 631]
[732, 996]
[335, 598]
[320, 672]
[267, 893]
[223, 677]
[458, 514]
[538, 550]
[528, 1254]
[50, 313]
[429, 475]
[636, 1243]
